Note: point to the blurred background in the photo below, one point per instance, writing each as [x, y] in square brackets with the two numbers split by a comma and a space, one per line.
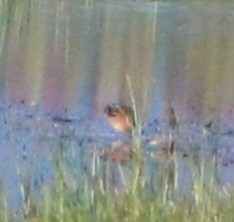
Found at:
[76, 56]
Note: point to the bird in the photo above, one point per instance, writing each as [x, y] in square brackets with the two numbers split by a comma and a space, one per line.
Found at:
[121, 118]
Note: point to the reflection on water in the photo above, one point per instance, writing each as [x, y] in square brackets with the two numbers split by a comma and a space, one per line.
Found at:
[62, 62]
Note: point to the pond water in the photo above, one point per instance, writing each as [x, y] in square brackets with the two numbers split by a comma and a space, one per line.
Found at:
[62, 62]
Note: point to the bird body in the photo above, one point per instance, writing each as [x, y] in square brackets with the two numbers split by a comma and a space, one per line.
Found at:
[121, 118]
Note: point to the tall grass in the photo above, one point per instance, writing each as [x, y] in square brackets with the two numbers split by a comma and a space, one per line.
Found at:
[87, 197]
[90, 195]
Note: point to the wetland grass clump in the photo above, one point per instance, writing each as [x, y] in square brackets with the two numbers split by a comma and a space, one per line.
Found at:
[91, 197]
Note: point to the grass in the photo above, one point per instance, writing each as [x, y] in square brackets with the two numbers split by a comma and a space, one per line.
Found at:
[130, 207]
[92, 197]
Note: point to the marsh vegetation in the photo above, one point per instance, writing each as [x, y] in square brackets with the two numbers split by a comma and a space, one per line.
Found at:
[62, 63]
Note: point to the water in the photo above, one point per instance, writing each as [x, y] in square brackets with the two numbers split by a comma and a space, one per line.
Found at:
[62, 62]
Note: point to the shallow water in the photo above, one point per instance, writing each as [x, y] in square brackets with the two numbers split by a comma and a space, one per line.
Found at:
[61, 63]
[28, 144]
